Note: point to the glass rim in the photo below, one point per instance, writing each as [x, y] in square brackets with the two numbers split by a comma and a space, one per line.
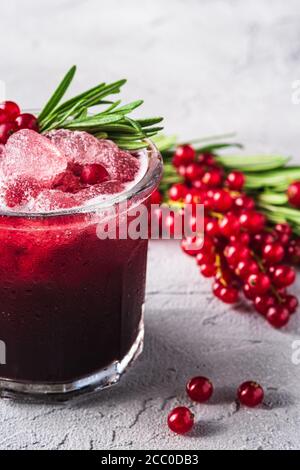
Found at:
[149, 181]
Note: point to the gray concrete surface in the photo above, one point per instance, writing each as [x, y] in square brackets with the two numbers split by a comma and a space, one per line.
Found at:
[208, 66]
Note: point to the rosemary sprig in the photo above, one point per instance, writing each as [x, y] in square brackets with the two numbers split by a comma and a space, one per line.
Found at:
[112, 122]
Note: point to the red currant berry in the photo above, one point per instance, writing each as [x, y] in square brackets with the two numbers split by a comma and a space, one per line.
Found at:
[284, 233]
[244, 202]
[246, 267]
[6, 130]
[243, 238]
[93, 174]
[293, 193]
[221, 200]
[211, 227]
[184, 155]
[11, 109]
[206, 159]
[193, 171]
[290, 302]
[199, 389]
[27, 121]
[278, 316]
[248, 292]
[235, 253]
[181, 170]
[212, 178]
[250, 394]
[192, 245]
[235, 180]
[273, 253]
[293, 251]
[181, 420]
[229, 295]
[283, 276]
[205, 258]
[193, 196]
[156, 197]
[208, 270]
[252, 221]
[229, 225]
[259, 283]
[177, 191]
[216, 288]
[283, 228]
[263, 303]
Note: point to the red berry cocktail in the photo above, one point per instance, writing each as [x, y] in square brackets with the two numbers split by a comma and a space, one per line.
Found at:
[71, 300]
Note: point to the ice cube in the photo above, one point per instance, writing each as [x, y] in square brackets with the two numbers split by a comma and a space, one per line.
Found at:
[20, 192]
[53, 200]
[31, 155]
[79, 146]
[83, 148]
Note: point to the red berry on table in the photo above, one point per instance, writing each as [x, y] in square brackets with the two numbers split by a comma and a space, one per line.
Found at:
[234, 253]
[93, 174]
[211, 227]
[180, 420]
[283, 276]
[11, 109]
[199, 389]
[290, 302]
[6, 130]
[221, 200]
[273, 253]
[177, 191]
[193, 196]
[212, 178]
[263, 303]
[293, 194]
[235, 180]
[192, 245]
[293, 251]
[250, 394]
[208, 270]
[193, 171]
[245, 268]
[252, 221]
[184, 155]
[248, 292]
[228, 294]
[242, 237]
[207, 159]
[27, 121]
[205, 258]
[283, 228]
[229, 225]
[259, 283]
[244, 202]
[278, 316]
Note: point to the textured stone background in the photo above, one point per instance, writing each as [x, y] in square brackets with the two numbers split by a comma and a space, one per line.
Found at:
[209, 67]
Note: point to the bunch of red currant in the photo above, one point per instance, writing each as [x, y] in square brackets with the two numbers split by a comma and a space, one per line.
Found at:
[200, 390]
[240, 251]
[12, 120]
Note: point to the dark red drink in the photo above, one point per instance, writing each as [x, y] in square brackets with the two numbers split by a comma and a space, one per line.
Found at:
[71, 303]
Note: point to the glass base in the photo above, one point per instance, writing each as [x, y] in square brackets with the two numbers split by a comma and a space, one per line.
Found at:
[61, 392]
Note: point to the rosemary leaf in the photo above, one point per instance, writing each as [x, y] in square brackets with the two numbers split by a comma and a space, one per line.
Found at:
[58, 94]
